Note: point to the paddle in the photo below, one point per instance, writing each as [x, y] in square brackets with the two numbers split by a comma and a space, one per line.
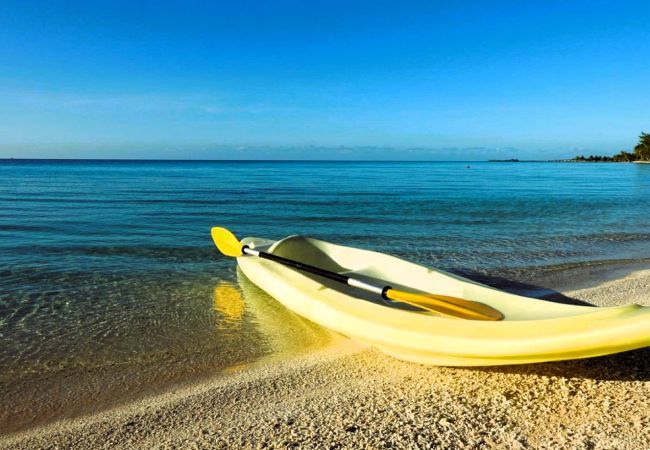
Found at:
[229, 245]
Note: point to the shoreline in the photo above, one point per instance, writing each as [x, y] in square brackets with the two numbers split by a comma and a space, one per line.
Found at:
[345, 394]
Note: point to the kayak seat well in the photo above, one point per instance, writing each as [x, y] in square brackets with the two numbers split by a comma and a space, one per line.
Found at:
[306, 250]
[300, 248]
[416, 278]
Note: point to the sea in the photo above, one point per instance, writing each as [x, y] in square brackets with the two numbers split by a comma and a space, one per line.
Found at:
[111, 287]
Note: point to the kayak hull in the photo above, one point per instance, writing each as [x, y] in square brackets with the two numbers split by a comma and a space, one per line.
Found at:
[532, 331]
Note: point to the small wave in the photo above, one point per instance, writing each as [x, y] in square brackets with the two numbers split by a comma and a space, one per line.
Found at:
[613, 237]
[17, 227]
[163, 253]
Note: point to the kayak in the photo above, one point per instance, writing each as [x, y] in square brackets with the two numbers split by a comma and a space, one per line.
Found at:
[531, 331]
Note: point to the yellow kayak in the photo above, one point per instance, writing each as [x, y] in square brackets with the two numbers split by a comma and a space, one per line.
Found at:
[531, 331]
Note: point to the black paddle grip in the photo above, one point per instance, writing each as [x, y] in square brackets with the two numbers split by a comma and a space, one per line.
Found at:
[306, 267]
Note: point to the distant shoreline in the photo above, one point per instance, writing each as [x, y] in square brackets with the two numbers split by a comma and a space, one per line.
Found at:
[563, 161]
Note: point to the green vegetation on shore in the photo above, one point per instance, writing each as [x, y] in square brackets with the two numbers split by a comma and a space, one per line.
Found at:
[641, 153]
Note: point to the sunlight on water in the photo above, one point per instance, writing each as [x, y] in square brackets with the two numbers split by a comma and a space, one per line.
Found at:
[229, 302]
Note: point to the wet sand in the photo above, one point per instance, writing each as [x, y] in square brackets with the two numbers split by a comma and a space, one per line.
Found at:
[345, 395]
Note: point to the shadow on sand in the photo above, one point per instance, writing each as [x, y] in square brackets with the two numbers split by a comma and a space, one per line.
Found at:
[628, 366]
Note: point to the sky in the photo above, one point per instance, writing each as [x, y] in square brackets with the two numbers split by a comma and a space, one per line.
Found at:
[322, 80]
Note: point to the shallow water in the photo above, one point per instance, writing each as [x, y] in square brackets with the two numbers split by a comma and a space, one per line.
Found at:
[110, 285]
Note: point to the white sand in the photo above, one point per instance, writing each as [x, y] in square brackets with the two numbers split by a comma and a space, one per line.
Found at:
[349, 396]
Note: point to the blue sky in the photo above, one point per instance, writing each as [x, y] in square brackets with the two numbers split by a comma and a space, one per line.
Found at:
[313, 80]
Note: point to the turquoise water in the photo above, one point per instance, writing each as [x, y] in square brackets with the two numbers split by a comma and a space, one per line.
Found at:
[110, 283]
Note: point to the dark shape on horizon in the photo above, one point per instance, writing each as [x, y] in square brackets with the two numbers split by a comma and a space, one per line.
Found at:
[641, 153]
[642, 149]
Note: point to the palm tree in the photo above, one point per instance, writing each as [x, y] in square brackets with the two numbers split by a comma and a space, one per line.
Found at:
[642, 149]
[624, 156]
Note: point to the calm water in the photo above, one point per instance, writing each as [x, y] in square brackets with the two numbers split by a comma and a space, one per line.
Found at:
[111, 287]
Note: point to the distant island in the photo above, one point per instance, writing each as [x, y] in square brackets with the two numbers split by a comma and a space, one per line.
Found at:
[641, 153]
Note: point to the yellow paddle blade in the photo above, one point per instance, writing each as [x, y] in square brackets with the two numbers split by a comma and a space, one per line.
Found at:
[226, 242]
[449, 306]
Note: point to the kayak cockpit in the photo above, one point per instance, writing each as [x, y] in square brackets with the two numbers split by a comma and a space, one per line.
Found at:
[400, 274]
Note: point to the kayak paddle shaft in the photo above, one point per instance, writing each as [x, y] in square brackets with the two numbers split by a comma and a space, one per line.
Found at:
[381, 290]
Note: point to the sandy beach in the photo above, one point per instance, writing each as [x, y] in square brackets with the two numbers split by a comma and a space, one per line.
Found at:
[344, 395]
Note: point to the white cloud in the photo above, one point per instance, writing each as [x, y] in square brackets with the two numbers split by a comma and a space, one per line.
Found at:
[198, 103]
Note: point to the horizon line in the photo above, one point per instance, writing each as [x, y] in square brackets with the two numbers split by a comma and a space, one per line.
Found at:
[3, 159]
